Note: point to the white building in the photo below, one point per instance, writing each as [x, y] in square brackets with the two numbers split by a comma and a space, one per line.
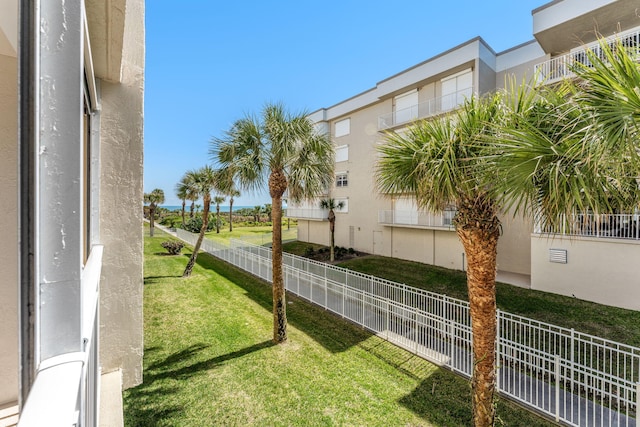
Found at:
[596, 263]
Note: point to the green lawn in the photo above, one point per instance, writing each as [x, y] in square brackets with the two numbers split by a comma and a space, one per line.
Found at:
[258, 234]
[209, 360]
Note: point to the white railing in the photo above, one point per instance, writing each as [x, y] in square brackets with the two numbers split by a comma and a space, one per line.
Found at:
[65, 389]
[442, 219]
[313, 213]
[575, 378]
[615, 226]
[425, 109]
[561, 66]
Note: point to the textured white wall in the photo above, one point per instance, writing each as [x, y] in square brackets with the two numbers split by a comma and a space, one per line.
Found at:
[120, 208]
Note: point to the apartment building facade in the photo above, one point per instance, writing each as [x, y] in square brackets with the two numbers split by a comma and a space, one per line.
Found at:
[589, 264]
[71, 134]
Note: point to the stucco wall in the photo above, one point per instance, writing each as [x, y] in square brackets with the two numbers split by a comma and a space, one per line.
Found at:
[605, 271]
[9, 230]
[121, 322]
[514, 247]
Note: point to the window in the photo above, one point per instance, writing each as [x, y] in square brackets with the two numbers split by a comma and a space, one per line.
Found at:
[342, 179]
[456, 88]
[343, 127]
[406, 107]
[345, 206]
[342, 153]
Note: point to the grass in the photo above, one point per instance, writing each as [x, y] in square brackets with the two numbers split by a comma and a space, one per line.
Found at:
[209, 360]
[257, 234]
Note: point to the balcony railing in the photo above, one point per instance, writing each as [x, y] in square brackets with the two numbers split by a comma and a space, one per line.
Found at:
[300, 213]
[443, 219]
[425, 109]
[65, 390]
[561, 67]
[615, 226]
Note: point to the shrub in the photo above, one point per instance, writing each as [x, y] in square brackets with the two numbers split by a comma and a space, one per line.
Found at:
[195, 224]
[309, 251]
[351, 251]
[172, 246]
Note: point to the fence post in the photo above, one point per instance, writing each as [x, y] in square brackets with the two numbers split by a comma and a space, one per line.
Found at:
[557, 371]
[388, 318]
[498, 352]
[637, 400]
[415, 329]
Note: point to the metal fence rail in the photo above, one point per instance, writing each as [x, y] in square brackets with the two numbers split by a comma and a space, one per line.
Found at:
[577, 378]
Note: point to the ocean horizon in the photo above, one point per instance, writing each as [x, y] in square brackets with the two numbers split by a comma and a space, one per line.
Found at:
[213, 207]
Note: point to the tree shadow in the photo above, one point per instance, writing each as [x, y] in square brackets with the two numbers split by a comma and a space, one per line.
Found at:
[149, 403]
[331, 331]
[151, 280]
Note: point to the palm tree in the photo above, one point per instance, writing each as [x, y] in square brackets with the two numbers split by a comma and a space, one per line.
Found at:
[573, 148]
[440, 162]
[155, 198]
[331, 205]
[203, 181]
[231, 193]
[217, 200]
[257, 211]
[285, 151]
[228, 187]
[267, 210]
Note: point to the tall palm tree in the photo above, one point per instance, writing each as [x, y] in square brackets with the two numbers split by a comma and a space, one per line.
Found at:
[232, 193]
[155, 198]
[203, 181]
[182, 191]
[228, 187]
[217, 200]
[331, 205]
[573, 148]
[285, 151]
[439, 162]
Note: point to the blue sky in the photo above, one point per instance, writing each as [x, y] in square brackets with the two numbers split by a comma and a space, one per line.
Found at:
[209, 62]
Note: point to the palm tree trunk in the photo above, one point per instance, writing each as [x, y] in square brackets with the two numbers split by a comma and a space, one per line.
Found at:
[231, 214]
[332, 229]
[218, 219]
[277, 187]
[152, 214]
[193, 206]
[183, 205]
[480, 240]
[205, 222]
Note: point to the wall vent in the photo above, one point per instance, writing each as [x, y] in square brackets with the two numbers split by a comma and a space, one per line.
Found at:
[558, 255]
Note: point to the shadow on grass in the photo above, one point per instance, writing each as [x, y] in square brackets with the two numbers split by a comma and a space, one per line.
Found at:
[323, 326]
[150, 280]
[444, 399]
[152, 405]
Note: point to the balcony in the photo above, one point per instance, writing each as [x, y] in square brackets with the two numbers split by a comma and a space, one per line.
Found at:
[612, 226]
[561, 67]
[442, 220]
[423, 110]
[315, 214]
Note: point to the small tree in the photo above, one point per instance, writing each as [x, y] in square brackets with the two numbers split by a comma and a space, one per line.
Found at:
[217, 200]
[331, 205]
[267, 210]
[203, 182]
[154, 198]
